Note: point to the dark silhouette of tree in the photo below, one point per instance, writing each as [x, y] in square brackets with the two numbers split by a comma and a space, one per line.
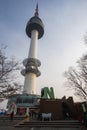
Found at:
[8, 78]
[77, 78]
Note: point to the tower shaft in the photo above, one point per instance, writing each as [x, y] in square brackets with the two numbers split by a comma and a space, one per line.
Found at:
[33, 44]
[30, 78]
[30, 83]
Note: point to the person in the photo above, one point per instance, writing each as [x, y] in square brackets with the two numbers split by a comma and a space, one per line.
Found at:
[27, 111]
[66, 111]
[12, 110]
[27, 114]
[84, 114]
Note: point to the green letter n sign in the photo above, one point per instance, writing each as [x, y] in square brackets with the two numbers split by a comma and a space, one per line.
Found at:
[48, 92]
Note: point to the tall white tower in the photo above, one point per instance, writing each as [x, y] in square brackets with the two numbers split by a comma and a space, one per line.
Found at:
[34, 30]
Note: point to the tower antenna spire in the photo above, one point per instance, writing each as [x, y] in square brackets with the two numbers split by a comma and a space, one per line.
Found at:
[36, 11]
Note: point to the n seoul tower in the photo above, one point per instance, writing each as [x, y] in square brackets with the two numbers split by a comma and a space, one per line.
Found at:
[34, 30]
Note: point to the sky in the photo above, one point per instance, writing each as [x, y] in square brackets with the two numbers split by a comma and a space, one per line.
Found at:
[65, 25]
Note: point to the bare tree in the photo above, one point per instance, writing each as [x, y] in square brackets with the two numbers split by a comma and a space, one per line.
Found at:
[8, 79]
[77, 78]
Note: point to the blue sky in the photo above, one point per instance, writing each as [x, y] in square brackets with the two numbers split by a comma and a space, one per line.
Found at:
[61, 46]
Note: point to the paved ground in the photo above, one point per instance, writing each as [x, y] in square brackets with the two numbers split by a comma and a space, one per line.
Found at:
[9, 125]
[13, 128]
[57, 129]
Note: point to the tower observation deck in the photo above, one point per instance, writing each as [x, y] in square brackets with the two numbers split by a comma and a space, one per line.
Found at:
[34, 30]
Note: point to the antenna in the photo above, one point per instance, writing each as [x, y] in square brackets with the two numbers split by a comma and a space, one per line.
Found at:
[36, 11]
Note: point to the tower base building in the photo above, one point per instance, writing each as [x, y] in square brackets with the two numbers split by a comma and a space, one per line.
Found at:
[24, 101]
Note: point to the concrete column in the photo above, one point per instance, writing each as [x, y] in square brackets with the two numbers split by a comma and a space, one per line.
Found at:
[33, 44]
[30, 78]
[30, 83]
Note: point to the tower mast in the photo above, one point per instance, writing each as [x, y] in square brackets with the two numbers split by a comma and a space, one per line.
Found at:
[34, 30]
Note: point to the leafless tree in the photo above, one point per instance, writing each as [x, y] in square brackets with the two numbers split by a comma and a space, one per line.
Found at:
[8, 79]
[77, 78]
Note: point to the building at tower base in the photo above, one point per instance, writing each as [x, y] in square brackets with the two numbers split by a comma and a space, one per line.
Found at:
[24, 101]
